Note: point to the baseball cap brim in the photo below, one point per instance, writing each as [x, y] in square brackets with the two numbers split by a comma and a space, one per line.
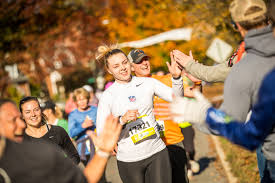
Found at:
[137, 61]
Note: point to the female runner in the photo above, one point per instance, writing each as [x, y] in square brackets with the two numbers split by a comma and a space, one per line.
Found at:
[142, 156]
[38, 130]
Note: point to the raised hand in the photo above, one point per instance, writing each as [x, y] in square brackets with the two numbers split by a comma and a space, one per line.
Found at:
[181, 58]
[174, 68]
[108, 138]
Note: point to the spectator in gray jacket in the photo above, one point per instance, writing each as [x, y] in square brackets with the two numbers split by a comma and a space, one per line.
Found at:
[259, 129]
[243, 82]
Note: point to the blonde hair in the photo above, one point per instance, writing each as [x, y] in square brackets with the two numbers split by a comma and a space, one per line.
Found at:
[105, 51]
[82, 92]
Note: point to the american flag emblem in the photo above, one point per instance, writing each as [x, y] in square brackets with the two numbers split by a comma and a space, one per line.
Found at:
[132, 98]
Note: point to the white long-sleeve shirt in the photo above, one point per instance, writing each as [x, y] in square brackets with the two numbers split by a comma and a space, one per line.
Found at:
[137, 94]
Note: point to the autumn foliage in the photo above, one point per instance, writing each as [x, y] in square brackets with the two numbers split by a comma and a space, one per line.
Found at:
[135, 20]
[33, 32]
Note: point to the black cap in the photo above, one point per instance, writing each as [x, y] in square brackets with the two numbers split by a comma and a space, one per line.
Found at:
[136, 55]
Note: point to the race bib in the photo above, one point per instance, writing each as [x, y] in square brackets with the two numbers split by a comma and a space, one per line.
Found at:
[142, 130]
[161, 127]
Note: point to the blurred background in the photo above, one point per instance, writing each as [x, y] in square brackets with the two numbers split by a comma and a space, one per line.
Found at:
[47, 47]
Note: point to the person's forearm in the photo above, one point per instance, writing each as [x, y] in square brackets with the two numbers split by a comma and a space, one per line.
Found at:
[177, 87]
[249, 135]
[217, 73]
[95, 168]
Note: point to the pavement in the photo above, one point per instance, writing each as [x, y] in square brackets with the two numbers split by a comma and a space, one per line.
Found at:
[211, 170]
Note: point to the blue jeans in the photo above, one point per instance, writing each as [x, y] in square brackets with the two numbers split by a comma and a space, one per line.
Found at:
[269, 172]
[266, 167]
[261, 161]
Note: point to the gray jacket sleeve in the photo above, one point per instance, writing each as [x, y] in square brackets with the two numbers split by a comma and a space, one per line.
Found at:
[216, 73]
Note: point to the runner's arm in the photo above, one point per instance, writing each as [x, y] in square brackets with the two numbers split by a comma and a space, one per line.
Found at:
[68, 146]
[165, 92]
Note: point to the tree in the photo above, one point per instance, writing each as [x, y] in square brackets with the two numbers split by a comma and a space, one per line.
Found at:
[133, 20]
[32, 32]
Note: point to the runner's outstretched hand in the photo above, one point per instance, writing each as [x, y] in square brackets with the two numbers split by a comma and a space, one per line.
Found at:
[107, 140]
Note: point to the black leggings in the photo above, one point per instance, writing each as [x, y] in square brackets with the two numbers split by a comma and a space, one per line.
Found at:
[178, 162]
[156, 168]
[188, 142]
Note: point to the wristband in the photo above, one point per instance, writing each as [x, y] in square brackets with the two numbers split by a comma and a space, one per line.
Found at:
[102, 154]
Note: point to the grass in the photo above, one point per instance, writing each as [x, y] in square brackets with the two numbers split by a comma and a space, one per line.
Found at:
[243, 162]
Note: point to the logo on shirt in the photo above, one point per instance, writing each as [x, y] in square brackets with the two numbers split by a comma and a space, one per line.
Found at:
[132, 98]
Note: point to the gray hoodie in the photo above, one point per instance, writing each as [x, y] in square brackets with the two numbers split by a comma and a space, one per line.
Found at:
[243, 82]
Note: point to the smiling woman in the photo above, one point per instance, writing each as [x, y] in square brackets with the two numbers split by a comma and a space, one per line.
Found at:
[141, 156]
[38, 130]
